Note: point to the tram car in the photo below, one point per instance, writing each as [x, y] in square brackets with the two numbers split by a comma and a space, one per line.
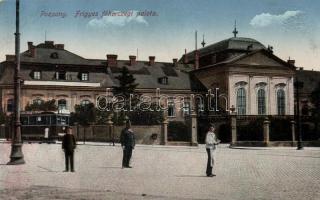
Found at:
[43, 126]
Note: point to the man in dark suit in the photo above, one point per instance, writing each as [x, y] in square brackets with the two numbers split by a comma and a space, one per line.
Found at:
[127, 142]
[68, 145]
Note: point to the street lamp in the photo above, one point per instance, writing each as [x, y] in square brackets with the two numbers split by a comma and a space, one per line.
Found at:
[298, 85]
[16, 156]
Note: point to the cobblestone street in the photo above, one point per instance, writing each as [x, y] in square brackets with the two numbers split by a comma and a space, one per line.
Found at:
[161, 173]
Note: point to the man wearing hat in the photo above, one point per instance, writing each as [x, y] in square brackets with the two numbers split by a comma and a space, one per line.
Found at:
[211, 142]
[68, 145]
[127, 140]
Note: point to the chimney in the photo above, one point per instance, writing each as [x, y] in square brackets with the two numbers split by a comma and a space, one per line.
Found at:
[291, 62]
[112, 60]
[10, 57]
[196, 60]
[185, 58]
[175, 62]
[59, 46]
[132, 60]
[152, 60]
[31, 49]
[30, 45]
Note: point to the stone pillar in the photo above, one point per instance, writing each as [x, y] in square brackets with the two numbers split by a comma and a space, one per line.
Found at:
[194, 130]
[293, 130]
[233, 129]
[266, 130]
[110, 128]
[164, 131]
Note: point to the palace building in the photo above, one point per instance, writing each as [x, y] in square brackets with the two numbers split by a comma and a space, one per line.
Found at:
[248, 75]
[49, 71]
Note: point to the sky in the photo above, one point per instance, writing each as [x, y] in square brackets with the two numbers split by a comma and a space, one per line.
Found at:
[164, 28]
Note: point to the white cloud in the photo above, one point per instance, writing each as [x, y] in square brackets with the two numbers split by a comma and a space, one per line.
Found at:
[118, 19]
[267, 19]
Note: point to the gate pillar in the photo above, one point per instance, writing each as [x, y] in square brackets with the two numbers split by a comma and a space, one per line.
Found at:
[194, 130]
[233, 128]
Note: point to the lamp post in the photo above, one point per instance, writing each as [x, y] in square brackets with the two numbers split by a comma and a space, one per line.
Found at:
[298, 85]
[16, 156]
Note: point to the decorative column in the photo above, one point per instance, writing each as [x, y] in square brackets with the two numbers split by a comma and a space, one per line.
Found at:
[266, 131]
[194, 129]
[164, 131]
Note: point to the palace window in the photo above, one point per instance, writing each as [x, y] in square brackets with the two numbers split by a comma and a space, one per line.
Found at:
[241, 101]
[10, 105]
[171, 109]
[261, 97]
[37, 75]
[62, 104]
[163, 80]
[84, 76]
[186, 108]
[37, 101]
[54, 55]
[85, 102]
[281, 99]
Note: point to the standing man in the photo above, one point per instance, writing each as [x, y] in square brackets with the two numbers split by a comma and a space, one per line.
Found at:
[127, 142]
[211, 142]
[68, 145]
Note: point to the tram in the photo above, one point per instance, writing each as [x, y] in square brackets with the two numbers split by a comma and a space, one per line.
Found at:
[48, 126]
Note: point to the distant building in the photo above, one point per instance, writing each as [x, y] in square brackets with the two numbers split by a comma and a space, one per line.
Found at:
[311, 80]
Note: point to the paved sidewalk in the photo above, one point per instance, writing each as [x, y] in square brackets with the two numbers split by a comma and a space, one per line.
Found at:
[161, 173]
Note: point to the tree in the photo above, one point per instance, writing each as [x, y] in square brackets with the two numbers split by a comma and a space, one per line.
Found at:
[49, 105]
[127, 83]
[84, 114]
[101, 116]
[126, 87]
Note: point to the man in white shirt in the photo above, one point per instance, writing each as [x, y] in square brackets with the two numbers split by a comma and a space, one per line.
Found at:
[211, 142]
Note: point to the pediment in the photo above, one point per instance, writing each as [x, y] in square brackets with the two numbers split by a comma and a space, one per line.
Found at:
[262, 59]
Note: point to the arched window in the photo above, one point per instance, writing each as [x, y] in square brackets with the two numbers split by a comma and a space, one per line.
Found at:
[10, 105]
[85, 102]
[241, 101]
[37, 101]
[171, 108]
[281, 99]
[62, 104]
[261, 97]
